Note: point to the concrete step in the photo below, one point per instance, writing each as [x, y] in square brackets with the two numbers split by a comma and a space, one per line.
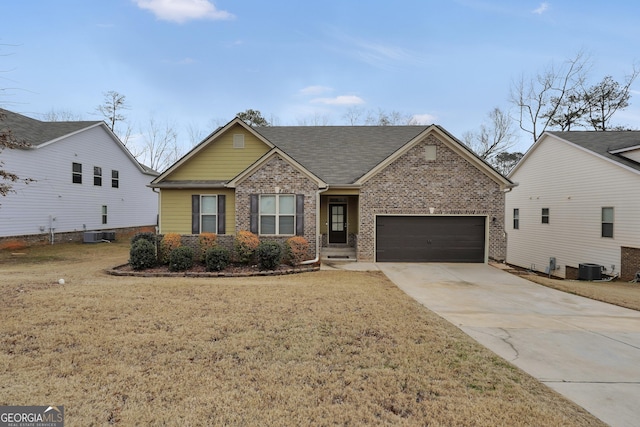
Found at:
[338, 254]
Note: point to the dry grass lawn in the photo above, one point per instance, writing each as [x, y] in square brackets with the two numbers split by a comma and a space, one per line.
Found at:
[623, 294]
[321, 348]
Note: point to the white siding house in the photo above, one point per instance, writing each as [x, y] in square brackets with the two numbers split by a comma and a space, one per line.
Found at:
[84, 179]
[578, 201]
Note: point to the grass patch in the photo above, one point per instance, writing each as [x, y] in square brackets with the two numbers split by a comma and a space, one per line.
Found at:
[323, 348]
[623, 294]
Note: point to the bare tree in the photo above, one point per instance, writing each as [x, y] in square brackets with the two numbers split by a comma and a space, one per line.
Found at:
[539, 98]
[159, 145]
[60, 116]
[111, 109]
[570, 112]
[316, 119]
[382, 118]
[8, 140]
[353, 116]
[495, 136]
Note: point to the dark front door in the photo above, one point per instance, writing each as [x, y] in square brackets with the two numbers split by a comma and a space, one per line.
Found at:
[338, 223]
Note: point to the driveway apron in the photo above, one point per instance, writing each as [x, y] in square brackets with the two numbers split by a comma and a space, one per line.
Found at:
[586, 350]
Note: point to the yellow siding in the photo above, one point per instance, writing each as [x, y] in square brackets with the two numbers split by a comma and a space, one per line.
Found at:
[352, 214]
[219, 160]
[175, 208]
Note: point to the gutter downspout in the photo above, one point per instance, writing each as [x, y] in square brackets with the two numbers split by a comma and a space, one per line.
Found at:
[154, 189]
[318, 238]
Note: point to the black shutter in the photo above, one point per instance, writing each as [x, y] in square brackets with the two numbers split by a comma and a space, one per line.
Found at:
[299, 214]
[254, 213]
[221, 214]
[195, 214]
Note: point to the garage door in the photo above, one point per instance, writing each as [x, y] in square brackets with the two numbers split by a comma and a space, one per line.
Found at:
[430, 239]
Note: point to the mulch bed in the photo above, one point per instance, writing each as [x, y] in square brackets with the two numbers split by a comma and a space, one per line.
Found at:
[199, 270]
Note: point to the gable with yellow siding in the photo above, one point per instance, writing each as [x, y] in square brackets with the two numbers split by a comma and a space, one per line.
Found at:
[220, 161]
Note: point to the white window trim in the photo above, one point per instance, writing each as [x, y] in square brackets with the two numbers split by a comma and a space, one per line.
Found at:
[277, 215]
[208, 214]
[602, 222]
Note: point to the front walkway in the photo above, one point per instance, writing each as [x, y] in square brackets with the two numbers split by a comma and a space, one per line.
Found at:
[586, 350]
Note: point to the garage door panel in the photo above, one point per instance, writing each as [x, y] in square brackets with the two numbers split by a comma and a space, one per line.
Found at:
[430, 239]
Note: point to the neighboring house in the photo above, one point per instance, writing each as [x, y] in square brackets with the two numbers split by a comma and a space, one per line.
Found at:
[84, 179]
[392, 193]
[577, 202]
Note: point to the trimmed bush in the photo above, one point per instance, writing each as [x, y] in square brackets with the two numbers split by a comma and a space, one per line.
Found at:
[181, 259]
[142, 255]
[151, 237]
[170, 241]
[296, 250]
[217, 258]
[245, 245]
[269, 255]
[206, 241]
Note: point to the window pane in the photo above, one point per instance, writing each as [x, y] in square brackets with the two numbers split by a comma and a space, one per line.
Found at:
[287, 205]
[267, 225]
[287, 225]
[607, 230]
[607, 215]
[268, 205]
[209, 223]
[209, 205]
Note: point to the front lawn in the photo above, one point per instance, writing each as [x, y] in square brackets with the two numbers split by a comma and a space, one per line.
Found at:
[321, 348]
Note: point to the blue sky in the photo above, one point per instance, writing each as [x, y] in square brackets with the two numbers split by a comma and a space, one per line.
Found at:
[196, 63]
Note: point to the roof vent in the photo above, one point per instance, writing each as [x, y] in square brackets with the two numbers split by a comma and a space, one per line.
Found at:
[238, 140]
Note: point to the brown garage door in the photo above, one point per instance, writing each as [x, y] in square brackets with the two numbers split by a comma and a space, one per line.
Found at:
[430, 239]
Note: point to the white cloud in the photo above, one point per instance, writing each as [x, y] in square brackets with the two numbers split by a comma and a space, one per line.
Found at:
[423, 119]
[314, 90]
[542, 8]
[181, 11]
[339, 100]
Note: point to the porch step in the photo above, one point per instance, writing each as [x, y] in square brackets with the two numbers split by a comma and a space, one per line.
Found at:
[338, 254]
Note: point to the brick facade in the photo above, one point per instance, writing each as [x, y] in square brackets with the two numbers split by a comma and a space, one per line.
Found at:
[280, 174]
[17, 242]
[630, 263]
[411, 185]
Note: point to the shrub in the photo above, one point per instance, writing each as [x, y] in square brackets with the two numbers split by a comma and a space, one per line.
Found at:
[142, 255]
[245, 245]
[181, 258]
[169, 242]
[206, 241]
[296, 250]
[217, 258]
[269, 255]
[150, 237]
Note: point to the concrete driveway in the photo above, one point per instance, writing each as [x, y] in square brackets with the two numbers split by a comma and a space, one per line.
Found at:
[586, 350]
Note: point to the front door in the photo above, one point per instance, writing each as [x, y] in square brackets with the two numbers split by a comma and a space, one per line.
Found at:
[338, 223]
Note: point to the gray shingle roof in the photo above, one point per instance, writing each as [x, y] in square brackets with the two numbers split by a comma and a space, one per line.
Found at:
[339, 154]
[604, 142]
[36, 132]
